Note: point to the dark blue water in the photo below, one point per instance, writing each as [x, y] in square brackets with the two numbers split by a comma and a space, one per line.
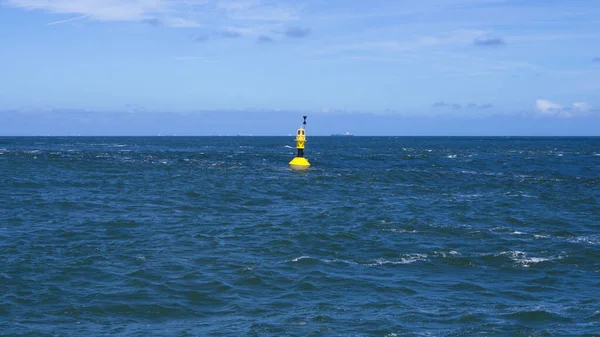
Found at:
[383, 236]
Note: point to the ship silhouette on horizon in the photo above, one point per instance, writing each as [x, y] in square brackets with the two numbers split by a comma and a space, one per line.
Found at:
[347, 134]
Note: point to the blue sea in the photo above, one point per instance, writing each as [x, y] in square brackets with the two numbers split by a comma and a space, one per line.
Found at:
[382, 236]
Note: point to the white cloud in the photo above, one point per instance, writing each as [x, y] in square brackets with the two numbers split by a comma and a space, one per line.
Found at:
[547, 108]
[256, 10]
[108, 10]
[172, 13]
[582, 107]
[182, 23]
[378, 46]
[237, 4]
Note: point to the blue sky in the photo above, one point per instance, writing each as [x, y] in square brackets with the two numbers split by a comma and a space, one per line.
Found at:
[165, 66]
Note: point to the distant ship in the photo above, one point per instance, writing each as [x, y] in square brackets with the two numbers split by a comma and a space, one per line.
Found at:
[341, 134]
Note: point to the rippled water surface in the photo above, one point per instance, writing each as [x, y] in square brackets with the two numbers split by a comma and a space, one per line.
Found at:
[383, 236]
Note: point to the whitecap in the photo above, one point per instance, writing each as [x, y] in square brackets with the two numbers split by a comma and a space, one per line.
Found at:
[468, 196]
[380, 262]
[524, 260]
[468, 172]
[408, 259]
[300, 258]
[447, 254]
[400, 231]
[300, 323]
[591, 239]
[338, 260]
[451, 156]
[519, 194]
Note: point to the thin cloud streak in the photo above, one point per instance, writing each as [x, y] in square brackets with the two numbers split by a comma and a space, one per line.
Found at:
[228, 34]
[263, 39]
[218, 35]
[68, 20]
[153, 22]
[454, 106]
[457, 106]
[297, 32]
[195, 58]
[489, 42]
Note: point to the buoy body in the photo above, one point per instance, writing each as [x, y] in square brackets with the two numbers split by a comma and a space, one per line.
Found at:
[300, 163]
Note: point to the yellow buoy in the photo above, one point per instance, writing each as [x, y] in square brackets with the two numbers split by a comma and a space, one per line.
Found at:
[300, 163]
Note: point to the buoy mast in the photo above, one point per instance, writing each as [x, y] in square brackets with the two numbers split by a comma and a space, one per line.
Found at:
[300, 163]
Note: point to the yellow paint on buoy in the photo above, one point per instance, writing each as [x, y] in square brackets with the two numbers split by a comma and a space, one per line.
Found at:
[300, 163]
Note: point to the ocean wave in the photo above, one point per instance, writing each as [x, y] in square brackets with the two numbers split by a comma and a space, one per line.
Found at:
[447, 254]
[587, 239]
[408, 259]
[468, 196]
[525, 260]
[303, 257]
[400, 231]
[469, 172]
[537, 314]
[405, 259]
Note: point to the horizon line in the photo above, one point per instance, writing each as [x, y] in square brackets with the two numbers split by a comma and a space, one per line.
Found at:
[318, 135]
